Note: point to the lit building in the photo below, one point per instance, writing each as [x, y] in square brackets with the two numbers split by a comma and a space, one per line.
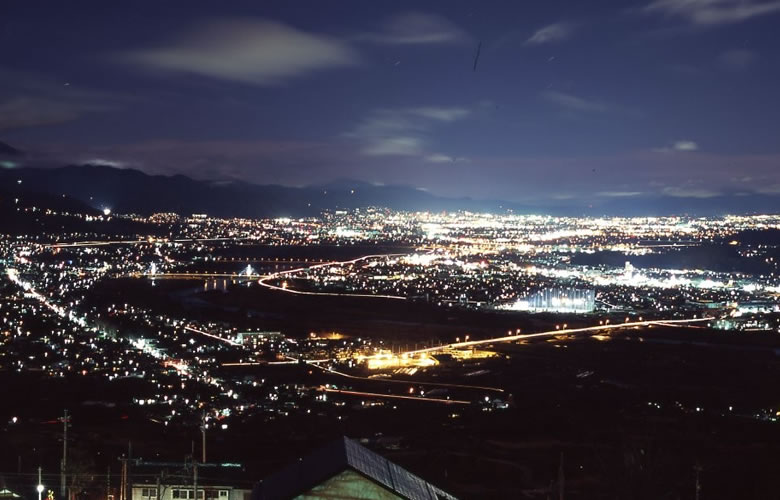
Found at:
[566, 300]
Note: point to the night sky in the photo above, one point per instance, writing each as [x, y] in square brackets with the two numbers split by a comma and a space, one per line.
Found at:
[578, 100]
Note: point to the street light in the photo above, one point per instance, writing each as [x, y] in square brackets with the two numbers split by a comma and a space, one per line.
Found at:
[40, 486]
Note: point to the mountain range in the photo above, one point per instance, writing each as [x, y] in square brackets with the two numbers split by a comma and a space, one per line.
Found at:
[9, 151]
[125, 190]
[132, 191]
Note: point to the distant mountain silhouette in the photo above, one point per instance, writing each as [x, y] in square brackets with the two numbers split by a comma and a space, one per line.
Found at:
[132, 191]
[7, 150]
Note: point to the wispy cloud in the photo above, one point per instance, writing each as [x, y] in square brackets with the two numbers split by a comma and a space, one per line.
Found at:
[403, 131]
[737, 59]
[619, 194]
[443, 158]
[33, 100]
[689, 192]
[417, 28]
[575, 103]
[393, 146]
[685, 146]
[679, 146]
[714, 12]
[259, 52]
[556, 32]
[22, 112]
[769, 189]
[440, 114]
[439, 158]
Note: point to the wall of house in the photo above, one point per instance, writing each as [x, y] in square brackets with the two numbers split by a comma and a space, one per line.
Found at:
[185, 492]
[348, 484]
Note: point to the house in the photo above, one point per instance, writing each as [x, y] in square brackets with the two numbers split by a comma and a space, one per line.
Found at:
[346, 470]
[6, 494]
[148, 491]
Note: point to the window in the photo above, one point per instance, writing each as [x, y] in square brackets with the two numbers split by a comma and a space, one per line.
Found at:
[223, 493]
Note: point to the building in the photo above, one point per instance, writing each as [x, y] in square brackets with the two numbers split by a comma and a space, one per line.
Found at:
[561, 300]
[346, 470]
[259, 339]
[149, 491]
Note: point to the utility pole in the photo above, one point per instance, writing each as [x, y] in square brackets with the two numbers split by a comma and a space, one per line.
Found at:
[108, 482]
[195, 477]
[697, 468]
[123, 479]
[560, 479]
[128, 485]
[64, 462]
[203, 434]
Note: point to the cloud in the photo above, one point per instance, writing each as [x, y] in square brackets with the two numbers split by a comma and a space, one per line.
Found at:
[573, 102]
[682, 146]
[556, 32]
[417, 28]
[714, 12]
[619, 194]
[442, 158]
[105, 161]
[403, 131]
[264, 161]
[737, 59]
[689, 192]
[395, 146]
[440, 114]
[259, 52]
[439, 158]
[33, 100]
[685, 146]
[22, 112]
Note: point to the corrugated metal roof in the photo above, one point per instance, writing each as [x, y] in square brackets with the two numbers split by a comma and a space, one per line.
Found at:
[337, 456]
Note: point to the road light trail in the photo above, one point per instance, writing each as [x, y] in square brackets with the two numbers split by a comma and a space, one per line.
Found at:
[552, 333]
[196, 275]
[395, 396]
[97, 243]
[217, 337]
[263, 281]
[413, 382]
[260, 363]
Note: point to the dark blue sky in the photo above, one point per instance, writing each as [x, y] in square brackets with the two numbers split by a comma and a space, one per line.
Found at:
[582, 101]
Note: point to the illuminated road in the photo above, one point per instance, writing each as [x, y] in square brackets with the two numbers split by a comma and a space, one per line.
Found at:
[198, 275]
[207, 334]
[280, 274]
[97, 243]
[552, 333]
[261, 363]
[315, 363]
[413, 382]
[393, 396]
